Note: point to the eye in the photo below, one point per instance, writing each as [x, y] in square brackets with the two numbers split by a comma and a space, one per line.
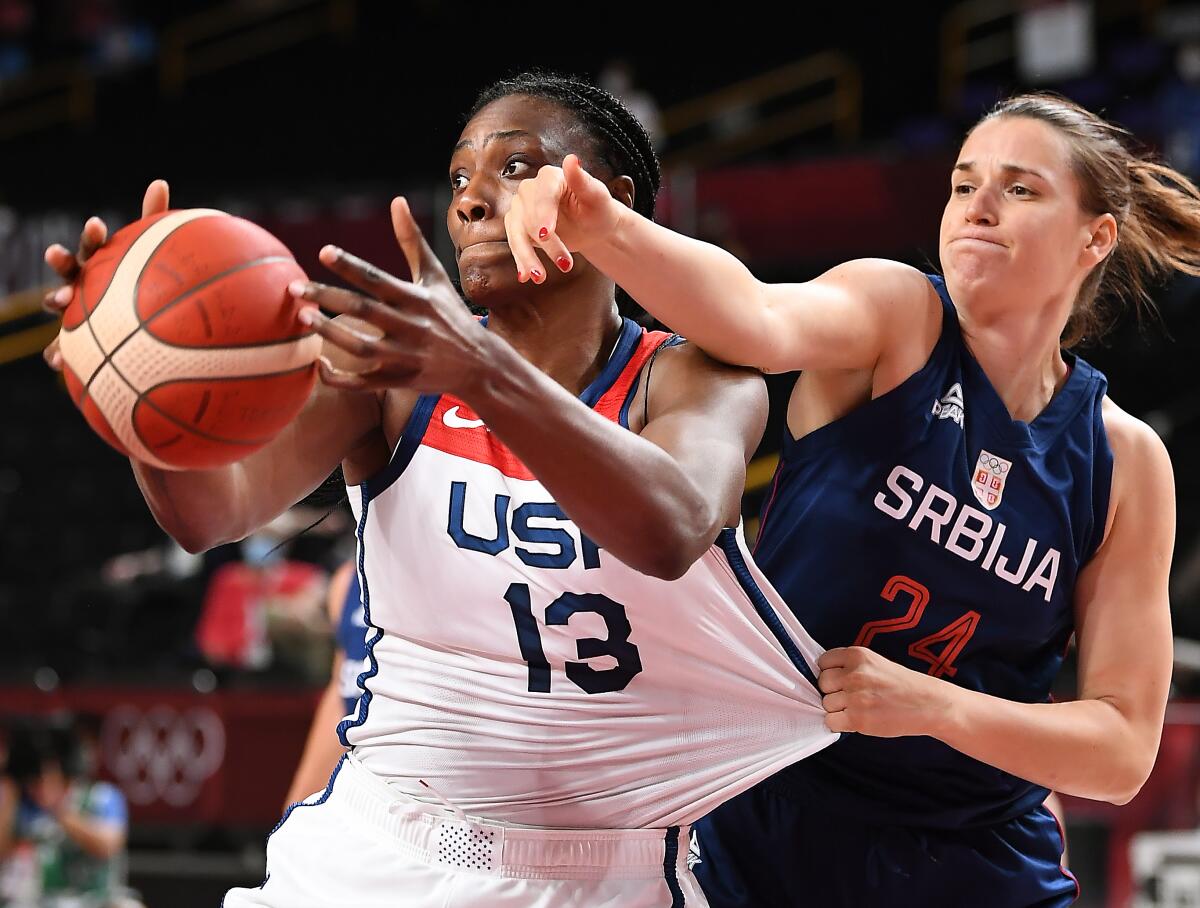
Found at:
[962, 189]
[458, 181]
[517, 167]
[1021, 191]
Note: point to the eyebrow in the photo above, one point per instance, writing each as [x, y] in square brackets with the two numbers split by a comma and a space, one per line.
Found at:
[492, 137]
[1007, 168]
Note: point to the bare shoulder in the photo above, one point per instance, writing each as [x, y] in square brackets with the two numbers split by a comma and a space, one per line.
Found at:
[1134, 444]
[893, 287]
[684, 375]
[1142, 473]
[686, 369]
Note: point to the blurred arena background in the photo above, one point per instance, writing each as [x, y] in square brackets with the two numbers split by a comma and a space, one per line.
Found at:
[795, 138]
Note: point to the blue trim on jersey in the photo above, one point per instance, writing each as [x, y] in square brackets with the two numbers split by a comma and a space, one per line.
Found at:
[410, 440]
[364, 700]
[287, 813]
[733, 554]
[669, 861]
[623, 416]
[631, 336]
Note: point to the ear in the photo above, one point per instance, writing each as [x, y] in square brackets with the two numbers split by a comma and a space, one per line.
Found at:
[1102, 239]
[622, 190]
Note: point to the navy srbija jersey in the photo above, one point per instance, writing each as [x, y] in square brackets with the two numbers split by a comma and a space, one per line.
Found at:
[931, 527]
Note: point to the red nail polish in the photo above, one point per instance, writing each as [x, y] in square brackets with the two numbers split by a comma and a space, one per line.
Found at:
[520, 276]
[536, 275]
[563, 263]
[543, 233]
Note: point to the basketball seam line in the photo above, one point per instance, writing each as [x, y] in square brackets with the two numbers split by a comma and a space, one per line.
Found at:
[87, 313]
[108, 355]
[142, 398]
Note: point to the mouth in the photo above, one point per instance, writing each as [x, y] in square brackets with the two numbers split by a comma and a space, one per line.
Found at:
[483, 246]
[978, 239]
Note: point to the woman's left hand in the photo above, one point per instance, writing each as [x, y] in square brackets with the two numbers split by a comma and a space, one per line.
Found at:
[425, 337]
[869, 694]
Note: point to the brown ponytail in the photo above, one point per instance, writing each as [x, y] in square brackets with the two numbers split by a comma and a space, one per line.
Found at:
[1157, 210]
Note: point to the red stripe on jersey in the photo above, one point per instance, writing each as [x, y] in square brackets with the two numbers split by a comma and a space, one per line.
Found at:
[456, 429]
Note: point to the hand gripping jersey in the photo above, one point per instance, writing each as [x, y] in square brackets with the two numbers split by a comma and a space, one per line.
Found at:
[931, 527]
[528, 676]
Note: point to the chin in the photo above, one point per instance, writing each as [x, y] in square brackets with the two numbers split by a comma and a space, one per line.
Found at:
[485, 286]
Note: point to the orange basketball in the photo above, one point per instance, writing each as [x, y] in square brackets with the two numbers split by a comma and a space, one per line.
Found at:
[181, 344]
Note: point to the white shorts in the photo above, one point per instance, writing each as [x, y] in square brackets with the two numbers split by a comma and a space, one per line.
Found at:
[361, 843]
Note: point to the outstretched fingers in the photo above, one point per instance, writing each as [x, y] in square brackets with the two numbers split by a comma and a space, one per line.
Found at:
[357, 343]
[371, 279]
[157, 198]
[532, 224]
[422, 263]
[346, 302]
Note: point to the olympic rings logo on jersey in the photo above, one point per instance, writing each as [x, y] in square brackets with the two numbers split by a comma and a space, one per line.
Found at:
[162, 754]
[993, 463]
[989, 477]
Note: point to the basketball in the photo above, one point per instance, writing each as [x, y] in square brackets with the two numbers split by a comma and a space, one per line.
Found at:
[181, 345]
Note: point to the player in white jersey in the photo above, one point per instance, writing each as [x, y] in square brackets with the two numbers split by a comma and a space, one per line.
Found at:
[565, 669]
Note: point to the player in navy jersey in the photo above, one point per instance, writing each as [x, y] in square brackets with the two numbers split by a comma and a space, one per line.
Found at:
[322, 749]
[956, 496]
[570, 655]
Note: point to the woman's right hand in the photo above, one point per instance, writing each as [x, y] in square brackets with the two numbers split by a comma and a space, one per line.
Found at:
[68, 264]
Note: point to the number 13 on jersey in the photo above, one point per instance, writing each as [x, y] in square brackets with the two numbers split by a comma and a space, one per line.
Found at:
[559, 613]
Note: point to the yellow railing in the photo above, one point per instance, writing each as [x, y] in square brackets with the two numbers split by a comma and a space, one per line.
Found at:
[28, 341]
[823, 90]
[50, 96]
[64, 93]
[975, 35]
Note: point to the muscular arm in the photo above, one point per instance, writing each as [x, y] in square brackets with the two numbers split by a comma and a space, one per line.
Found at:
[844, 319]
[848, 318]
[656, 500]
[1102, 745]
[203, 508]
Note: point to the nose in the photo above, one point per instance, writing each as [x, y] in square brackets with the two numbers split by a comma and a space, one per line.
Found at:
[474, 203]
[982, 208]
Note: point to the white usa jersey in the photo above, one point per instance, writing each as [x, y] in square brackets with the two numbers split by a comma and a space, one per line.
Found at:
[528, 676]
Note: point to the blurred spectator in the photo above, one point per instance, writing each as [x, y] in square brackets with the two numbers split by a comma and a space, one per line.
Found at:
[617, 78]
[16, 19]
[62, 834]
[1054, 40]
[1179, 110]
[266, 608]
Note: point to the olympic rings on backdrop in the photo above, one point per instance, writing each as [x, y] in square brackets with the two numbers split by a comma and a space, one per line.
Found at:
[162, 754]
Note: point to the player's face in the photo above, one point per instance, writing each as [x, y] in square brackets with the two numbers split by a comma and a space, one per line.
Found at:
[1013, 228]
[503, 144]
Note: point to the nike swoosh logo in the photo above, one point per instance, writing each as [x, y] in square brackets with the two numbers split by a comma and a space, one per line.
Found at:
[454, 421]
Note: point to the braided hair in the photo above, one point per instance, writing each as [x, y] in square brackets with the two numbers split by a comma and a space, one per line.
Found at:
[621, 141]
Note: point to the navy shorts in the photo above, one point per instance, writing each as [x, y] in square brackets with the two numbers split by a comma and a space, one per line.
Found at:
[766, 850]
